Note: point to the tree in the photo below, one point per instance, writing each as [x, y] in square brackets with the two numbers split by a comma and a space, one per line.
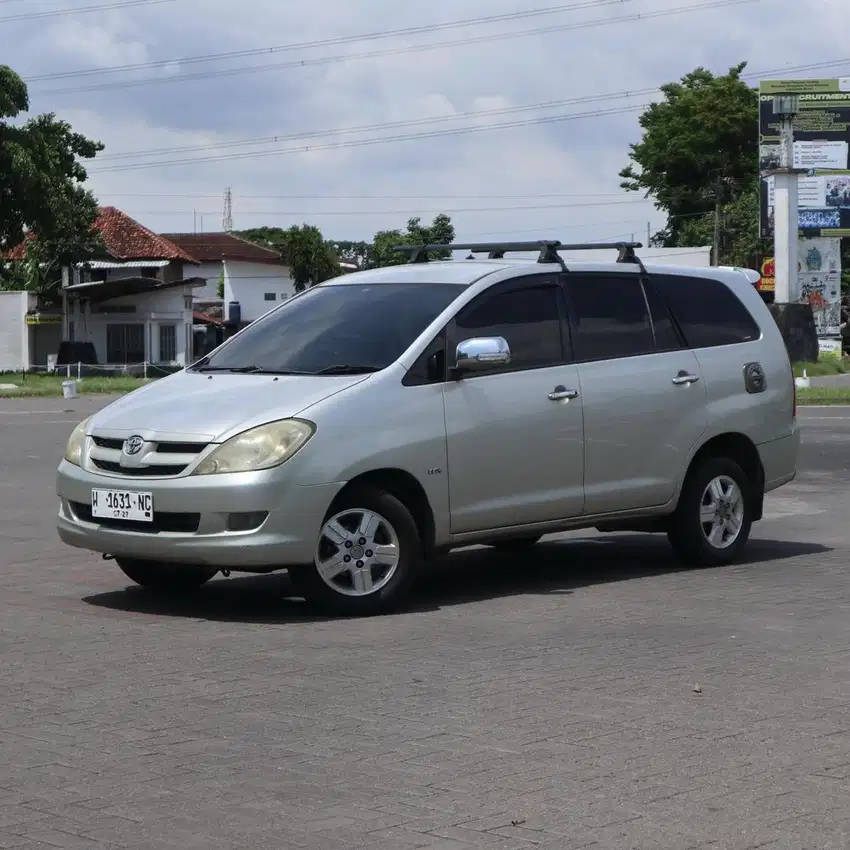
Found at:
[310, 258]
[699, 147]
[740, 242]
[43, 204]
[440, 232]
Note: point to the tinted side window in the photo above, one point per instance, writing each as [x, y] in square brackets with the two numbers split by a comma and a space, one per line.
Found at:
[528, 317]
[708, 312]
[609, 317]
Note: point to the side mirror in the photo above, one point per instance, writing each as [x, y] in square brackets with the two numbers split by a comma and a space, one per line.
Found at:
[480, 353]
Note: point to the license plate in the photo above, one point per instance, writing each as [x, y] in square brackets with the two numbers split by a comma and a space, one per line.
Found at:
[122, 504]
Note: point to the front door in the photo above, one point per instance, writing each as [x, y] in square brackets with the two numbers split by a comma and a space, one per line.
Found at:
[514, 435]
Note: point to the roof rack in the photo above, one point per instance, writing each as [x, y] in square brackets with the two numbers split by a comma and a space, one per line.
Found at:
[548, 250]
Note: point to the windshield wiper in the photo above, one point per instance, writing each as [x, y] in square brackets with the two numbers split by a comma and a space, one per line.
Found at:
[253, 369]
[348, 369]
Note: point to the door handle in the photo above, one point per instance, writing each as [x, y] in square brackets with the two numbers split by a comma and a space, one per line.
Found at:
[560, 393]
[681, 379]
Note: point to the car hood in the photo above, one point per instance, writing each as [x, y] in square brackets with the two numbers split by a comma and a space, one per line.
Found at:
[214, 407]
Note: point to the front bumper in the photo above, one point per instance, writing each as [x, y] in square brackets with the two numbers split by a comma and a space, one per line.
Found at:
[191, 518]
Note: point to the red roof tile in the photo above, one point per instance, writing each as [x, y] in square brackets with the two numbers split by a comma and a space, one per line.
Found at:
[215, 247]
[126, 239]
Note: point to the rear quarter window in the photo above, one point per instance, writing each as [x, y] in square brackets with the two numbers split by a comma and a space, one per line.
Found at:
[707, 311]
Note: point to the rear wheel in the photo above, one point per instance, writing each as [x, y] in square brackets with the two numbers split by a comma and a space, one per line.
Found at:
[712, 522]
[164, 576]
[367, 555]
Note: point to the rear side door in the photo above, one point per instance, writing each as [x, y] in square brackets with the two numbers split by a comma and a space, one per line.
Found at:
[642, 390]
[727, 342]
[515, 433]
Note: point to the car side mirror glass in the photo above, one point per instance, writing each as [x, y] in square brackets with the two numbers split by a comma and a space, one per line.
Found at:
[480, 353]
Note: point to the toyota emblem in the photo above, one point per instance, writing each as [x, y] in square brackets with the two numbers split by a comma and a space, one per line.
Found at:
[133, 445]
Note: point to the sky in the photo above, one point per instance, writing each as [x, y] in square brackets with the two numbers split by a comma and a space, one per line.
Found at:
[356, 116]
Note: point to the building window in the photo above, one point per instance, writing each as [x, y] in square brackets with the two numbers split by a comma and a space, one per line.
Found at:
[167, 343]
[70, 331]
[125, 344]
[149, 271]
[270, 296]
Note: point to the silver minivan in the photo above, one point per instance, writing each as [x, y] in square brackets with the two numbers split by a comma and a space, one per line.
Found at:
[382, 418]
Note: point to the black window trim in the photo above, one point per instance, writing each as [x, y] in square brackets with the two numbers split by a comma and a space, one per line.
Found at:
[642, 281]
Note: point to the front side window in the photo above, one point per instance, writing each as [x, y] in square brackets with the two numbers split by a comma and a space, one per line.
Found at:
[336, 329]
[527, 317]
[609, 317]
[707, 310]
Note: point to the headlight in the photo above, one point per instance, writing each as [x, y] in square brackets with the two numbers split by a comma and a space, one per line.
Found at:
[76, 444]
[260, 448]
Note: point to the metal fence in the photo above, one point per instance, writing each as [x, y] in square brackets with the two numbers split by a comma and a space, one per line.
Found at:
[81, 370]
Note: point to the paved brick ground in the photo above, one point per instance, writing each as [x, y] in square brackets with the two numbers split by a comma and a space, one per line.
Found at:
[537, 703]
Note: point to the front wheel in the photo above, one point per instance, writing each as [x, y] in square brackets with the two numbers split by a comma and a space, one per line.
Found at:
[712, 522]
[163, 576]
[367, 556]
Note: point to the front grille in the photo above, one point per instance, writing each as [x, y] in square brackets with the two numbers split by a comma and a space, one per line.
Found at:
[162, 521]
[139, 472]
[160, 459]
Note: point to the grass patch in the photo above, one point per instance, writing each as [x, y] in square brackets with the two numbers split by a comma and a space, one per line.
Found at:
[823, 395]
[827, 366]
[35, 386]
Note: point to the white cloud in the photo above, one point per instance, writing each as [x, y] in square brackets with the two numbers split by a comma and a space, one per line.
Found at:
[566, 169]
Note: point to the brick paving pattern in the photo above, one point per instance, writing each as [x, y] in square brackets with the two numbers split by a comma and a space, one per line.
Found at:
[546, 702]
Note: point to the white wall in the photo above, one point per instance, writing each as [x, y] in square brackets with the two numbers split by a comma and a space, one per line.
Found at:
[247, 283]
[152, 309]
[14, 333]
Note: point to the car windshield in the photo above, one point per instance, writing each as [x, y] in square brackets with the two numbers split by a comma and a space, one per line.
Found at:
[335, 330]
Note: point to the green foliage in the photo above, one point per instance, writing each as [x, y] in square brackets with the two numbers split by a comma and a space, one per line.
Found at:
[359, 253]
[41, 191]
[310, 258]
[700, 140]
[739, 229]
[219, 291]
[440, 232]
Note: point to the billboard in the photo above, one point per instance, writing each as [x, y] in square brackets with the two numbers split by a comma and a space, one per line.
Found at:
[821, 146]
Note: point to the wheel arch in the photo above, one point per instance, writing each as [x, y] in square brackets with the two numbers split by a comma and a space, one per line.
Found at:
[408, 490]
[744, 452]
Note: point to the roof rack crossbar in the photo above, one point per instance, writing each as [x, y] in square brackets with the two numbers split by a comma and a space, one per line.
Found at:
[548, 250]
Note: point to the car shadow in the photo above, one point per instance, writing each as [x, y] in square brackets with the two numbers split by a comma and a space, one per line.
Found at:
[559, 566]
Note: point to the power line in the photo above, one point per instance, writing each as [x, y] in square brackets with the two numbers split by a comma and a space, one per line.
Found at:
[452, 131]
[395, 51]
[408, 212]
[80, 10]
[367, 197]
[264, 140]
[390, 125]
[330, 42]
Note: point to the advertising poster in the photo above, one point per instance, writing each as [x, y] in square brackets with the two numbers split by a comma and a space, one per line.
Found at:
[821, 146]
[819, 282]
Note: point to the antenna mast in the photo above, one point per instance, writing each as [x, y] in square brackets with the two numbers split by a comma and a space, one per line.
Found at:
[227, 218]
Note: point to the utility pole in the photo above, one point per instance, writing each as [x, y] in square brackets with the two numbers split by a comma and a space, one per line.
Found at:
[795, 320]
[648, 234]
[715, 242]
[227, 218]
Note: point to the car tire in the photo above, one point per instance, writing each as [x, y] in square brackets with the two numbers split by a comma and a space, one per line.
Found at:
[164, 576]
[516, 544]
[350, 577]
[712, 521]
